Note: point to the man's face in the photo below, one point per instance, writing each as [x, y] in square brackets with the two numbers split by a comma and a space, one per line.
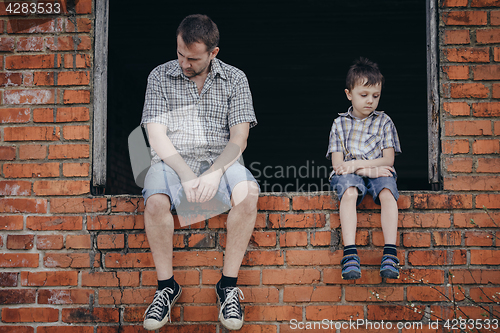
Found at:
[194, 59]
[364, 99]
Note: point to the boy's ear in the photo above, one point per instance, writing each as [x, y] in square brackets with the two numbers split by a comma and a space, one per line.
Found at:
[348, 94]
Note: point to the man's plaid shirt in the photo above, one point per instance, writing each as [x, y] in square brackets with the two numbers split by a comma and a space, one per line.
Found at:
[197, 124]
[362, 139]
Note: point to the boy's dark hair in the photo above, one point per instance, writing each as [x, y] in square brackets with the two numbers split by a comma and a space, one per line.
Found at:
[199, 28]
[363, 70]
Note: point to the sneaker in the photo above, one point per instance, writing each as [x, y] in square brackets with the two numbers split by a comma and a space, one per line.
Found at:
[351, 269]
[158, 312]
[389, 268]
[228, 300]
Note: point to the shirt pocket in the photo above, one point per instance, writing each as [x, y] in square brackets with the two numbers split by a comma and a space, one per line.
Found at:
[372, 146]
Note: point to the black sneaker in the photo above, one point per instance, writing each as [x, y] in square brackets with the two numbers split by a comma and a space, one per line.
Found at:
[158, 312]
[228, 300]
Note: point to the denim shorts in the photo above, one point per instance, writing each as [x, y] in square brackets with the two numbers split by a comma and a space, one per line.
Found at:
[161, 178]
[372, 186]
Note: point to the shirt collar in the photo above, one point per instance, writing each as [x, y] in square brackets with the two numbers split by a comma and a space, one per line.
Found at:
[349, 113]
[215, 68]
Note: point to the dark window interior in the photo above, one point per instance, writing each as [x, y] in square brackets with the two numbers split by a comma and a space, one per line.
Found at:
[296, 55]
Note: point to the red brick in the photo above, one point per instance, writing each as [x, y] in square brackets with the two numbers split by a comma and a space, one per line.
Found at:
[259, 294]
[468, 127]
[11, 222]
[76, 97]
[319, 202]
[305, 220]
[496, 125]
[42, 133]
[486, 147]
[7, 153]
[478, 238]
[312, 294]
[49, 242]
[395, 312]
[68, 43]
[487, 36]
[54, 223]
[468, 90]
[35, 315]
[313, 257]
[447, 238]
[44, 78]
[488, 165]
[8, 280]
[43, 115]
[71, 260]
[83, 7]
[371, 294]
[293, 238]
[273, 203]
[31, 170]
[321, 238]
[486, 109]
[7, 44]
[30, 44]
[75, 61]
[455, 3]
[31, 96]
[416, 239]
[82, 25]
[457, 108]
[200, 313]
[111, 241]
[459, 164]
[18, 260]
[18, 26]
[464, 17]
[263, 258]
[202, 240]
[437, 257]
[180, 259]
[73, 78]
[22, 205]
[491, 201]
[110, 279]
[96, 315]
[76, 169]
[61, 187]
[486, 72]
[456, 72]
[369, 276]
[78, 205]
[457, 36]
[458, 146]
[442, 201]
[11, 79]
[27, 79]
[272, 313]
[427, 276]
[32, 61]
[78, 242]
[32, 152]
[128, 296]
[484, 3]
[467, 54]
[263, 238]
[333, 312]
[472, 183]
[130, 205]
[480, 220]
[15, 187]
[71, 114]
[485, 294]
[474, 276]
[495, 17]
[496, 57]
[64, 296]
[20, 242]
[76, 132]
[378, 239]
[290, 276]
[17, 296]
[484, 257]
[115, 222]
[432, 294]
[49, 279]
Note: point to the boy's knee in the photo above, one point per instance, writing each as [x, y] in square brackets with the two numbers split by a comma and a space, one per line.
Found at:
[385, 195]
[350, 194]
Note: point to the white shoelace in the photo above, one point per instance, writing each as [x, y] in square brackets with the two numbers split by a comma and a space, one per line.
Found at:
[231, 303]
[159, 301]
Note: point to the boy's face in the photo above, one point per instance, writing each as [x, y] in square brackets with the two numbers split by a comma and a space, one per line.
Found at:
[364, 99]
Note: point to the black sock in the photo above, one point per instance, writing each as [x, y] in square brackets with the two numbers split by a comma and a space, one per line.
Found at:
[390, 249]
[226, 281]
[350, 249]
[170, 283]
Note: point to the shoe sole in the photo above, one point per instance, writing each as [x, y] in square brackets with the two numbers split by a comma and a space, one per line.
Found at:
[158, 325]
[389, 275]
[351, 276]
[221, 317]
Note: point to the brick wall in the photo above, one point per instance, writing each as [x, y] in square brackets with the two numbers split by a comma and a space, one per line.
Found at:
[70, 262]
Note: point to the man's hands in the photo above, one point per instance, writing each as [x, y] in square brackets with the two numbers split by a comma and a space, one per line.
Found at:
[203, 188]
[375, 172]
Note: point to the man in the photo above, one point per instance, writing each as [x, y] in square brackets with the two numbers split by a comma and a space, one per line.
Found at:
[198, 112]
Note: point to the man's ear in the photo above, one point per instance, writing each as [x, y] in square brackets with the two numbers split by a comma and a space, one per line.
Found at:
[348, 94]
[214, 53]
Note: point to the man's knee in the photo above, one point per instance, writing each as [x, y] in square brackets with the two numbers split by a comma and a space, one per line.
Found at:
[246, 195]
[158, 204]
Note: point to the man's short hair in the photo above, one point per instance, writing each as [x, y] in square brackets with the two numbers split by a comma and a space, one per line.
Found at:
[199, 28]
[363, 71]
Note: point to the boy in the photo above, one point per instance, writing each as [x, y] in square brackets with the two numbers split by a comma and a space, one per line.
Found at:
[363, 143]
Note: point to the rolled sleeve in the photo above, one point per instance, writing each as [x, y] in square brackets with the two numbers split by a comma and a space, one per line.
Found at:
[390, 138]
[334, 144]
[241, 105]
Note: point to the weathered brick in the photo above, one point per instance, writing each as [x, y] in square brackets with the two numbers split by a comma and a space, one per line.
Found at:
[18, 259]
[180, 259]
[476, 220]
[447, 238]
[484, 3]
[272, 313]
[54, 223]
[457, 72]
[20, 242]
[416, 239]
[200, 313]
[61, 187]
[15, 115]
[321, 238]
[115, 222]
[491, 201]
[437, 257]
[474, 276]
[292, 294]
[263, 258]
[24, 315]
[78, 205]
[417, 276]
[114, 241]
[395, 312]
[15, 187]
[76, 132]
[49, 279]
[273, 203]
[314, 202]
[13, 222]
[8, 279]
[30, 26]
[29, 133]
[478, 238]
[127, 204]
[263, 238]
[457, 36]
[488, 165]
[468, 90]
[17, 296]
[455, 3]
[110, 279]
[31, 170]
[7, 153]
[487, 36]
[457, 164]
[457, 108]
[78, 242]
[76, 169]
[32, 152]
[432, 294]
[7, 44]
[465, 17]
[484, 257]
[313, 257]
[333, 312]
[44, 78]
[68, 43]
[94, 315]
[442, 201]
[75, 61]
[458, 146]
[290, 276]
[486, 147]
[129, 296]
[49, 242]
[472, 183]
[486, 109]
[305, 220]
[82, 25]
[64, 296]
[30, 44]
[22, 205]
[486, 72]
[293, 238]
[495, 17]
[468, 127]
[76, 97]
[371, 294]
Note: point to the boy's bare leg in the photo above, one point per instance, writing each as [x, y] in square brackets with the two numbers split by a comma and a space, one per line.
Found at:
[348, 217]
[159, 225]
[389, 216]
[240, 225]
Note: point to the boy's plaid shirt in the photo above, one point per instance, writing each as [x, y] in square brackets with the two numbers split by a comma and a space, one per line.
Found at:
[362, 139]
[197, 124]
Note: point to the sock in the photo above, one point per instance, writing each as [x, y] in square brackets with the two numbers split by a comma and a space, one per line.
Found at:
[390, 249]
[350, 249]
[170, 283]
[226, 281]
